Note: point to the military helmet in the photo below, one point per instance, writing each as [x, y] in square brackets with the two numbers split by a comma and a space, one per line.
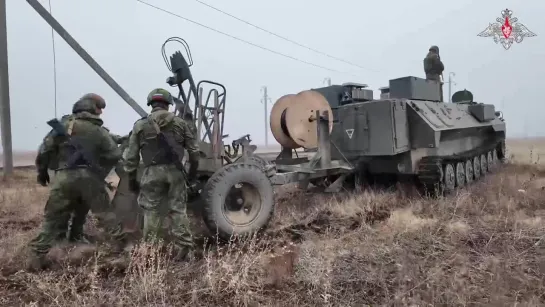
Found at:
[88, 103]
[159, 95]
[434, 48]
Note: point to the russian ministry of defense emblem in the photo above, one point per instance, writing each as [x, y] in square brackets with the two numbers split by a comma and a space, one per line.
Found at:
[506, 30]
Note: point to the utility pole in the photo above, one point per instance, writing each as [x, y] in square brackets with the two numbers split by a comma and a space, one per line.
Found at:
[450, 75]
[53, 23]
[5, 110]
[526, 127]
[327, 81]
[265, 100]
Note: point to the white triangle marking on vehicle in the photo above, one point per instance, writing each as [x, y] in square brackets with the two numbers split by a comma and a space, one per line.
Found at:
[350, 132]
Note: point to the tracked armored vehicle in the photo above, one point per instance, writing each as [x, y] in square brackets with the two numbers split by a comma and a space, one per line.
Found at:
[408, 132]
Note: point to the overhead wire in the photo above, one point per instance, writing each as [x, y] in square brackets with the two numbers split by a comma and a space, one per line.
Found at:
[281, 37]
[54, 61]
[240, 39]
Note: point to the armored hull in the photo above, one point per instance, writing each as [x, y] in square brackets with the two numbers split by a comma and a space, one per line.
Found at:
[422, 138]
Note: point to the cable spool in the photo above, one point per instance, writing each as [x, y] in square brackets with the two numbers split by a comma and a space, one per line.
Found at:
[293, 119]
[278, 124]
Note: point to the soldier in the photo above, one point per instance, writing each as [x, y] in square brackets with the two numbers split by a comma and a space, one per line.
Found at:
[79, 186]
[433, 67]
[74, 232]
[162, 188]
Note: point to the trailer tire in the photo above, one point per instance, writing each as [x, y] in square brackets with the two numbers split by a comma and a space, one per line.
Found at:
[253, 201]
[257, 160]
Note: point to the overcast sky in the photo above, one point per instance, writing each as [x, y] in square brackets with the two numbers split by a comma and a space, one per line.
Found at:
[388, 38]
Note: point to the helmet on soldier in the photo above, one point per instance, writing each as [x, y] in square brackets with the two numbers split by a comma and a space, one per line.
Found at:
[91, 102]
[434, 48]
[160, 95]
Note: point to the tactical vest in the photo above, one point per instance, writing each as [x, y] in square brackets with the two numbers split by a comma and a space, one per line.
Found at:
[66, 152]
[431, 70]
[154, 153]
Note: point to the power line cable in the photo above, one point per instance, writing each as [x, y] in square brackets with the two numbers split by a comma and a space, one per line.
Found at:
[237, 38]
[54, 61]
[281, 37]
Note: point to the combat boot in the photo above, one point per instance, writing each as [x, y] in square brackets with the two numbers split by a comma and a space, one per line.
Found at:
[186, 254]
[79, 239]
[124, 242]
[36, 262]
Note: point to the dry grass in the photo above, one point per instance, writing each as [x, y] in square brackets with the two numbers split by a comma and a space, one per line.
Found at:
[485, 245]
[527, 151]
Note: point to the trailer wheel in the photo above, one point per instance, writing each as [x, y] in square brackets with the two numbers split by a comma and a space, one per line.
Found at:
[257, 160]
[238, 200]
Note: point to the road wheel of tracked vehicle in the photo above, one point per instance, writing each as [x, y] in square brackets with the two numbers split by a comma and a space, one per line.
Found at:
[449, 179]
[238, 200]
[484, 165]
[502, 152]
[476, 167]
[469, 171]
[460, 174]
[495, 158]
[490, 161]
[256, 160]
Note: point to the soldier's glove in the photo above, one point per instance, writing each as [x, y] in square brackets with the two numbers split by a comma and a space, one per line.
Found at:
[193, 186]
[109, 185]
[133, 182]
[193, 166]
[43, 177]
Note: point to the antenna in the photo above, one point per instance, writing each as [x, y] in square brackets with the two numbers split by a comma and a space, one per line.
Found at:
[450, 82]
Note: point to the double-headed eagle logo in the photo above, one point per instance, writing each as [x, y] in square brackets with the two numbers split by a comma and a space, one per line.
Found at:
[506, 30]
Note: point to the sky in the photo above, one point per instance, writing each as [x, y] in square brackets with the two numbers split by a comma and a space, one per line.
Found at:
[386, 40]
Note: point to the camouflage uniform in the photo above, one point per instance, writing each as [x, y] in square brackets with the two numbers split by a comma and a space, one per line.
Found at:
[118, 139]
[433, 67]
[162, 188]
[76, 189]
[75, 233]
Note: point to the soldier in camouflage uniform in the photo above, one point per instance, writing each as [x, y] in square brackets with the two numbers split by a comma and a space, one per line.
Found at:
[433, 67]
[75, 188]
[75, 231]
[162, 188]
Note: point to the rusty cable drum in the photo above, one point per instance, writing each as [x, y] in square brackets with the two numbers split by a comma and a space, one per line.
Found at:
[300, 118]
[277, 124]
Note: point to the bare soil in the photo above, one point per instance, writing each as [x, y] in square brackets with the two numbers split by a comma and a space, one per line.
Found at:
[483, 245]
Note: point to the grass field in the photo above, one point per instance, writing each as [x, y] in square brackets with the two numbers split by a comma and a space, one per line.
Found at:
[484, 245]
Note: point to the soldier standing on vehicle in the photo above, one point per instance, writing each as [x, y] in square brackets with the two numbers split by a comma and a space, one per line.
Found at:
[433, 67]
[162, 188]
[78, 185]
